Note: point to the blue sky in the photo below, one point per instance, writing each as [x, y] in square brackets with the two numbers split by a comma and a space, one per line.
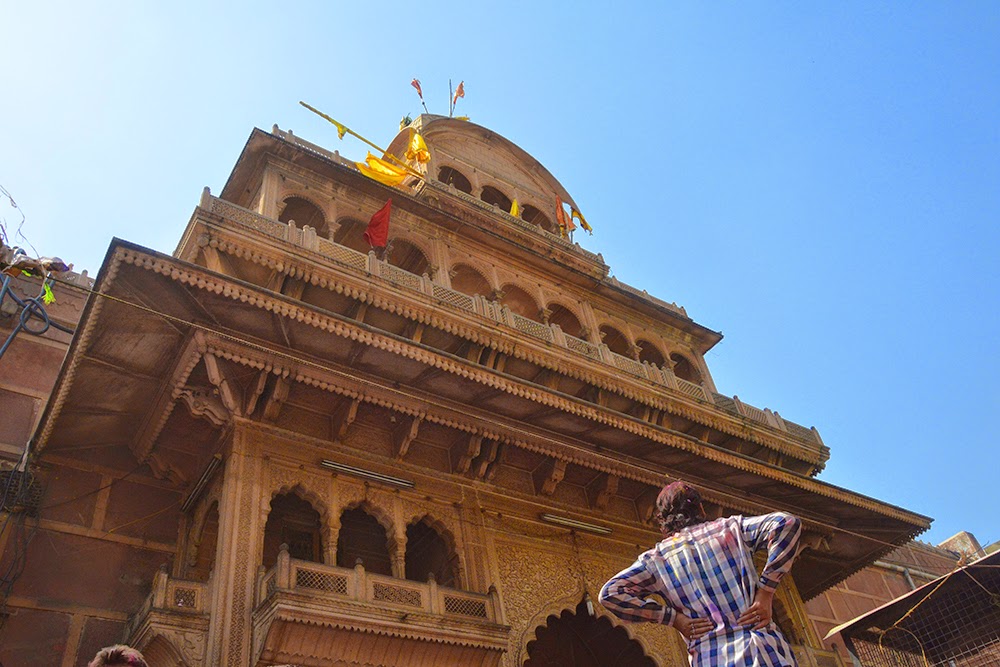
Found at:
[819, 181]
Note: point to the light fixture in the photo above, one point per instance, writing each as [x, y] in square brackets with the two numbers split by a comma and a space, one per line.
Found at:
[573, 523]
[202, 482]
[367, 474]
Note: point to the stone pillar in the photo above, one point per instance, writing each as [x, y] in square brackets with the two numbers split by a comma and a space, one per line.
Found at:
[236, 554]
[269, 187]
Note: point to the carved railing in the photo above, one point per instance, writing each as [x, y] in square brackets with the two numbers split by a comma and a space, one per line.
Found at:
[169, 595]
[497, 312]
[355, 584]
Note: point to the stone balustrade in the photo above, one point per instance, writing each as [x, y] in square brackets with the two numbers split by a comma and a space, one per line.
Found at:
[500, 313]
[171, 596]
[326, 581]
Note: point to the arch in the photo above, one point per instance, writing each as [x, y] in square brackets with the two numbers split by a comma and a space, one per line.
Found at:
[683, 368]
[615, 340]
[580, 639]
[520, 302]
[161, 651]
[468, 280]
[452, 176]
[650, 352]
[350, 233]
[430, 549]
[492, 195]
[205, 545]
[294, 521]
[566, 319]
[408, 256]
[363, 536]
[304, 212]
[534, 216]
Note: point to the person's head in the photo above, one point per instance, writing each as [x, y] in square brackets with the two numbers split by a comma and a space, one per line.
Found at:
[678, 506]
[118, 656]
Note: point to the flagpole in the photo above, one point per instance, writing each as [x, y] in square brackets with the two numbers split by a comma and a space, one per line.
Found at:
[451, 108]
[348, 130]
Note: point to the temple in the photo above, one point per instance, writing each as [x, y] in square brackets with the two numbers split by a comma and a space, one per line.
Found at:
[276, 446]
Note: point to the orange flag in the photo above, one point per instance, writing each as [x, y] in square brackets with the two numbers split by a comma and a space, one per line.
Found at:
[377, 232]
[416, 84]
[459, 92]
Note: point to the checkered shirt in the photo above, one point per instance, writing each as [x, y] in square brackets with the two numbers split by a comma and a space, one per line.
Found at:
[707, 571]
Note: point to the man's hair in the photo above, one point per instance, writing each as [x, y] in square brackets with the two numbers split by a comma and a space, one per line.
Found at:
[677, 507]
[118, 656]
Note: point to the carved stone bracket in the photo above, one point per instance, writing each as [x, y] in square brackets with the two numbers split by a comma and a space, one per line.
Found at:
[272, 407]
[548, 475]
[404, 435]
[600, 491]
[465, 451]
[490, 456]
[205, 403]
[344, 416]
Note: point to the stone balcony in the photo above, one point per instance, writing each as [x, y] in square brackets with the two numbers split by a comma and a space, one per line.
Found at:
[312, 614]
[172, 623]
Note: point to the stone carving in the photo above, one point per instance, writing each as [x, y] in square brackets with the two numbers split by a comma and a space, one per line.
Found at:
[205, 403]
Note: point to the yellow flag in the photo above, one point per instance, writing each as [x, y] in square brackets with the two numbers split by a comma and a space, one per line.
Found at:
[583, 221]
[515, 210]
[417, 150]
[381, 171]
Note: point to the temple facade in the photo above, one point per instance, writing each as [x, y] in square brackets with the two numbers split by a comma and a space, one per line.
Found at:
[276, 446]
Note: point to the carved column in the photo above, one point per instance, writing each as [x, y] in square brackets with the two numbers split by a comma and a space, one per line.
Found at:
[269, 187]
[236, 561]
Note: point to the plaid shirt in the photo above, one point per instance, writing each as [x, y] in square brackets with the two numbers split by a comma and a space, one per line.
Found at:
[707, 571]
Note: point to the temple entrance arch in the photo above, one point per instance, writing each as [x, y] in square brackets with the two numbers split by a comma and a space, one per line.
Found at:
[579, 639]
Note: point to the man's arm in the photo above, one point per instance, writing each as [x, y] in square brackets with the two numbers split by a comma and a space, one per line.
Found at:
[779, 532]
[625, 596]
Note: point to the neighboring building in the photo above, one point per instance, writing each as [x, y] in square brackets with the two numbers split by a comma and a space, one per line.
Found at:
[436, 459]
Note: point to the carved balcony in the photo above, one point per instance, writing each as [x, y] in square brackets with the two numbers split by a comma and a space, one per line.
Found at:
[173, 620]
[313, 614]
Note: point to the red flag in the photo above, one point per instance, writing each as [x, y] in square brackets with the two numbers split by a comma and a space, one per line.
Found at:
[416, 84]
[459, 92]
[560, 214]
[377, 232]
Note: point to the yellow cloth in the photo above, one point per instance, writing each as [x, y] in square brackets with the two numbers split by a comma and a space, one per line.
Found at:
[583, 221]
[382, 171]
[417, 150]
[515, 210]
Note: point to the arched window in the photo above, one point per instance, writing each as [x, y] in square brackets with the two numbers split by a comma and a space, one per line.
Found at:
[207, 545]
[566, 320]
[579, 639]
[363, 537]
[684, 369]
[467, 280]
[408, 257]
[650, 353]
[351, 234]
[534, 216]
[520, 302]
[452, 176]
[428, 553]
[616, 340]
[491, 195]
[292, 521]
[303, 213]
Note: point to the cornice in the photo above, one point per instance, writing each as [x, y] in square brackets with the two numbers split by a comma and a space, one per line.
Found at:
[384, 295]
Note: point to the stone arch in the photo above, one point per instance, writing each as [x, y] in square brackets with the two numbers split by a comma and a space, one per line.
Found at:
[650, 352]
[553, 607]
[531, 214]
[451, 176]
[567, 319]
[684, 368]
[450, 553]
[616, 340]
[467, 279]
[294, 520]
[494, 196]
[520, 301]
[350, 233]
[408, 255]
[212, 496]
[345, 557]
[159, 651]
[595, 641]
[304, 211]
